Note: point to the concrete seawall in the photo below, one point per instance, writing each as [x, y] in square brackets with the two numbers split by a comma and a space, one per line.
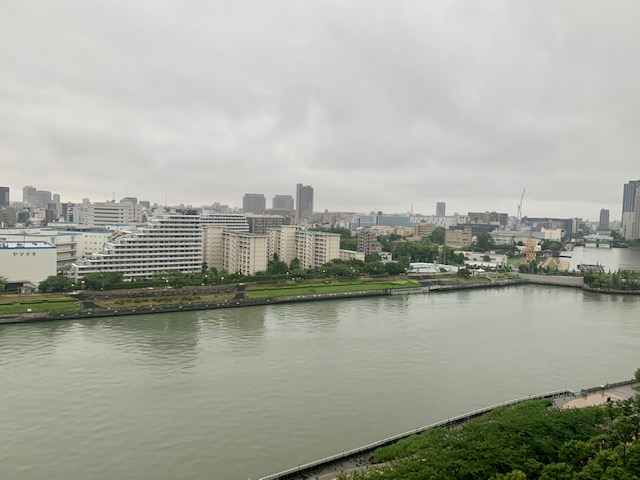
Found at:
[556, 280]
[363, 455]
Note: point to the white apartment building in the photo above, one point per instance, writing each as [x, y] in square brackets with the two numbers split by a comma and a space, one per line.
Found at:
[244, 253]
[27, 261]
[234, 252]
[168, 242]
[233, 222]
[312, 249]
[105, 213]
[93, 241]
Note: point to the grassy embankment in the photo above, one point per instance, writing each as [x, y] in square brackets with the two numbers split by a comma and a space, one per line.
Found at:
[270, 291]
[12, 304]
[524, 441]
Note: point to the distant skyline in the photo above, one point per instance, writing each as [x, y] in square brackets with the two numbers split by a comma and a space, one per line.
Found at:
[378, 105]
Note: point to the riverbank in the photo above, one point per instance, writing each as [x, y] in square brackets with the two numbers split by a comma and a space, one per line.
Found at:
[237, 297]
[362, 459]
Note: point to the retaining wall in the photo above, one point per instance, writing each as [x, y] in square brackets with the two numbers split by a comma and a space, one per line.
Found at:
[312, 469]
[558, 280]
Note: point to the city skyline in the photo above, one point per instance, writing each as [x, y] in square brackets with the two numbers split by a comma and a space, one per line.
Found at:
[18, 193]
[462, 102]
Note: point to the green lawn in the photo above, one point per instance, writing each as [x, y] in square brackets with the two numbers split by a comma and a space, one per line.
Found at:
[39, 305]
[328, 288]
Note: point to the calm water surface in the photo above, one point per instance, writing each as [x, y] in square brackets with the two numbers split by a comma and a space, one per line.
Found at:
[242, 393]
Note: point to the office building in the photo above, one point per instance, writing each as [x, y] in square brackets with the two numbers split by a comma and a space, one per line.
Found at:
[283, 203]
[27, 261]
[631, 210]
[168, 242]
[458, 238]
[629, 194]
[29, 195]
[603, 224]
[488, 218]
[254, 203]
[107, 213]
[43, 198]
[304, 202]
[422, 229]
[4, 196]
[8, 217]
[441, 208]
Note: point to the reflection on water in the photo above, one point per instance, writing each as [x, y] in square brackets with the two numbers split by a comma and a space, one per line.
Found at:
[612, 259]
[240, 393]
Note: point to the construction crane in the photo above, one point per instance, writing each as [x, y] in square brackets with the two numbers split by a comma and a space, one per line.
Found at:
[519, 207]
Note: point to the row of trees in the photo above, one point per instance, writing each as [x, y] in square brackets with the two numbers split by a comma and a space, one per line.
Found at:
[276, 270]
[621, 280]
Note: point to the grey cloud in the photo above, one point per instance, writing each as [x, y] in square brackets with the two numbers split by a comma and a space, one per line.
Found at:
[378, 105]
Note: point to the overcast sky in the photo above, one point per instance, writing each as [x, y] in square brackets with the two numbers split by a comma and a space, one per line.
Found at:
[376, 104]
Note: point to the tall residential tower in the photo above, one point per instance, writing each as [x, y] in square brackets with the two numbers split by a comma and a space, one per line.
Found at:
[304, 202]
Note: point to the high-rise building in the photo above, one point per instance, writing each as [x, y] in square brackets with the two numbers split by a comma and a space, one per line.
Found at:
[604, 219]
[629, 195]
[29, 195]
[4, 196]
[43, 198]
[254, 203]
[441, 208]
[631, 210]
[304, 202]
[283, 202]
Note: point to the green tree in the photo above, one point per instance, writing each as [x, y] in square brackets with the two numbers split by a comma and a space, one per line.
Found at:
[56, 283]
[394, 268]
[349, 244]
[372, 257]
[101, 280]
[294, 264]
[276, 267]
[484, 242]
[437, 235]
[3, 283]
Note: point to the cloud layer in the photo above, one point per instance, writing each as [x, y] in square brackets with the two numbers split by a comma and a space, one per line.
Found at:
[379, 105]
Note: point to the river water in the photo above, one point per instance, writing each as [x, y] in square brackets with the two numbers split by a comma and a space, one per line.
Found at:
[612, 259]
[241, 393]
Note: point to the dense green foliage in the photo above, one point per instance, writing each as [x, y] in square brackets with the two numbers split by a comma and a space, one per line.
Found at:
[620, 280]
[56, 283]
[524, 441]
